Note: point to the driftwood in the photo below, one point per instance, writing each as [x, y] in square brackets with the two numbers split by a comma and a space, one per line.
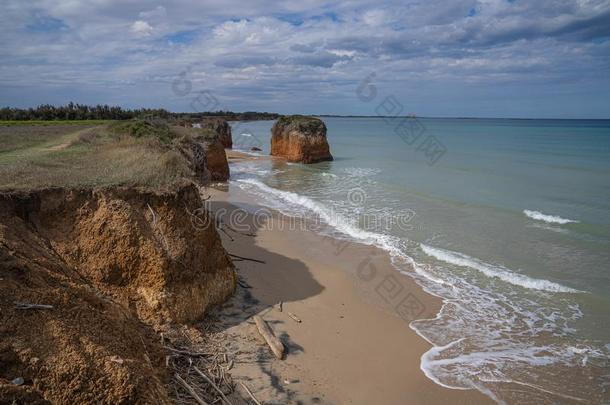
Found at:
[250, 393]
[22, 305]
[294, 317]
[246, 258]
[276, 345]
[208, 379]
[190, 390]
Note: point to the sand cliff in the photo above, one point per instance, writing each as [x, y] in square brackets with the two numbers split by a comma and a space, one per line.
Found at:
[114, 264]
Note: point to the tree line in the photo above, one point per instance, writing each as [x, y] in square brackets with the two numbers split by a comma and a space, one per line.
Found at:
[72, 111]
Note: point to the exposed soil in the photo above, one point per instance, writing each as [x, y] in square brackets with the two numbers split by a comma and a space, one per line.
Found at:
[116, 266]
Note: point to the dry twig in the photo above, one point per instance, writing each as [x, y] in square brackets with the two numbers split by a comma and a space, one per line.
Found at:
[250, 393]
[294, 317]
[23, 305]
[190, 390]
[246, 258]
[205, 377]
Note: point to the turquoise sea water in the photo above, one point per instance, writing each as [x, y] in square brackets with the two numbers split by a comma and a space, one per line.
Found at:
[508, 221]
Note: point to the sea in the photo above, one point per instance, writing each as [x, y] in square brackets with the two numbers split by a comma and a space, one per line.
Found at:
[506, 220]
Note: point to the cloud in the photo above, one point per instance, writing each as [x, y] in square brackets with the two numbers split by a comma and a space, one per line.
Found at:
[141, 28]
[320, 59]
[155, 14]
[240, 62]
[313, 48]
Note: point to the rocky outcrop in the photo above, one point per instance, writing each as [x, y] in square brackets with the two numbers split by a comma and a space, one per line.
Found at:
[205, 154]
[300, 139]
[222, 128]
[196, 158]
[112, 264]
[216, 157]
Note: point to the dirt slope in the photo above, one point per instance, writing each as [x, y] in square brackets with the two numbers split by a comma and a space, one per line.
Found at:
[114, 264]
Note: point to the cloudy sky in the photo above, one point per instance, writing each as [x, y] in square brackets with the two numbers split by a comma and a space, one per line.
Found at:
[487, 58]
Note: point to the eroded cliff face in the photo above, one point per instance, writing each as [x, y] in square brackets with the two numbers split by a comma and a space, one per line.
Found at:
[114, 264]
[206, 156]
[217, 163]
[300, 139]
[222, 128]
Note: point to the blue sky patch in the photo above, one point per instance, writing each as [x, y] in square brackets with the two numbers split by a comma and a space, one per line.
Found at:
[182, 37]
[330, 15]
[45, 23]
[291, 18]
[600, 40]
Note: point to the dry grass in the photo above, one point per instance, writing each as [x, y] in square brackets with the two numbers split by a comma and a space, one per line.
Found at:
[191, 351]
[51, 122]
[85, 155]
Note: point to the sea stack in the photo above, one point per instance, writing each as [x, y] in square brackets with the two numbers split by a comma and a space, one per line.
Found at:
[299, 138]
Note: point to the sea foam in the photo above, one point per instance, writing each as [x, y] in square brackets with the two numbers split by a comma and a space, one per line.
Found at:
[551, 219]
[477, 328]
[490, 270]
[329, 216]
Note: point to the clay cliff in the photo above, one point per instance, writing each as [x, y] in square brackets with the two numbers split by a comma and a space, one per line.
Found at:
[222, 128]
[301, 139]
[205, 153]
[112, 264]
[216, 157]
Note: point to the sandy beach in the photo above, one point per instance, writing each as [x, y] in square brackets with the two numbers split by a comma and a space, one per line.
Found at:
[353, 344]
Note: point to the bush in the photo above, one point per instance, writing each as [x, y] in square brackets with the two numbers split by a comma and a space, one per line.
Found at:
[139, 128]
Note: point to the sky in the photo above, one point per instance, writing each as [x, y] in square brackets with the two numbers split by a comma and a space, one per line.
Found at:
[453, 58]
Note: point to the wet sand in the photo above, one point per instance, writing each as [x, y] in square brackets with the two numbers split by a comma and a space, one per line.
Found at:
[353, 344]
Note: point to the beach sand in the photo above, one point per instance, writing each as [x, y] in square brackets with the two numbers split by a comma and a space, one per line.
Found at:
[353, 344]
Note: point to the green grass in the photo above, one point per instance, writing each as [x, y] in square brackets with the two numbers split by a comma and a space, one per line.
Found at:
[303, 123]
[53, 122]
[89, 155]
[297, 119]
[138, 128]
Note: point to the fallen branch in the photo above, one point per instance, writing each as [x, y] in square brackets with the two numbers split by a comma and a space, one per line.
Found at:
[294, 317]
[250, 393]
[190, 390]
[247, 258]
[276, 345]
[22, 305]
[201, 373]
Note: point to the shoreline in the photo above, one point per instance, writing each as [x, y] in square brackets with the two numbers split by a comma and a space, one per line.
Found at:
[354, 344]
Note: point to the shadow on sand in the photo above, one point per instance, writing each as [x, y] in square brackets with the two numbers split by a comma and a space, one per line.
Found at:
[263, 283]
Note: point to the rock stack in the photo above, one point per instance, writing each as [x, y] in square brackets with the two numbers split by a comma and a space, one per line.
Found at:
[299, 138]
